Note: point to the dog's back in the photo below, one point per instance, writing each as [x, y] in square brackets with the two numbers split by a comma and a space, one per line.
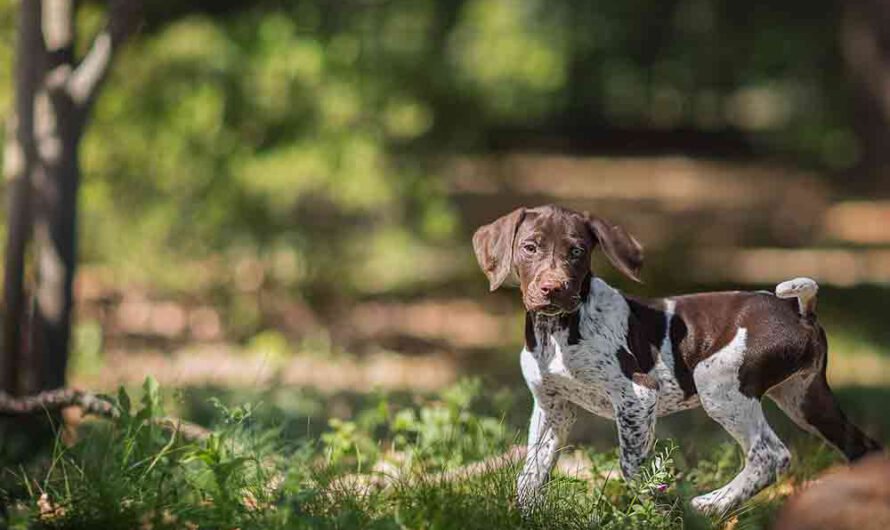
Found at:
[779, 340]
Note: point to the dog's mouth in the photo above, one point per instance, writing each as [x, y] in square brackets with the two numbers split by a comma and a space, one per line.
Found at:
[554, 310]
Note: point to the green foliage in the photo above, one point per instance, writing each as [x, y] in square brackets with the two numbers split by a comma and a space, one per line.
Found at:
[423, 498]
[346, 440]
[644, 503]
[716, 468]
[237, 134]
[513, 55]
[313, 129]
[131, 473]
[86, 347]
[270, 344]
[437, 435]
[446, 434]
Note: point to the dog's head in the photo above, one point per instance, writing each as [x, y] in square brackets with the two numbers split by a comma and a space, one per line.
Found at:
[546, 251]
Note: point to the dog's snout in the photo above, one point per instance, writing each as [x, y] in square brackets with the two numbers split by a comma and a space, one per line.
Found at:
[551, 287]
[551, 292]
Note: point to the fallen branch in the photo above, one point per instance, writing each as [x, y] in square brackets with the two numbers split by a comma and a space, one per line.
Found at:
[514, 455]
[52, 400]
[388, 472]
[92, 404]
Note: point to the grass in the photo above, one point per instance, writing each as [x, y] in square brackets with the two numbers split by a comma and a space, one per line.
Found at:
[388, 467]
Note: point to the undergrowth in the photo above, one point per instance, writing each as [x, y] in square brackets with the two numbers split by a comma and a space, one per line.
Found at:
[386, 468]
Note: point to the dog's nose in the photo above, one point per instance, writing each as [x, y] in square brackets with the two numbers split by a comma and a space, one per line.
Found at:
[551, 287]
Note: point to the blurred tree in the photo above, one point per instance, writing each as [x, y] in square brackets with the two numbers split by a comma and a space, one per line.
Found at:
[306, 135]
[54, 94]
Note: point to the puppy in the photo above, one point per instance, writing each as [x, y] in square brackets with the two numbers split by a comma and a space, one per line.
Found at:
[631, 359]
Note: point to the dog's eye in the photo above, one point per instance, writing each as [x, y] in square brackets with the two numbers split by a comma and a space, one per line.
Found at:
[577, 252]
[531, 248]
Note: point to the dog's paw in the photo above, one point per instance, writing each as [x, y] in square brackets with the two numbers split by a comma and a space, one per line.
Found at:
[711, 504]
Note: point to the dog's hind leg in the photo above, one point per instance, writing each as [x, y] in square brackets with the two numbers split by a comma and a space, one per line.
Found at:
[742, 416]
[807, 399]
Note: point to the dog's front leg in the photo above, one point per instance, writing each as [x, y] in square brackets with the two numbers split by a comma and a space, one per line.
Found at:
[635, 414]
[551, 421]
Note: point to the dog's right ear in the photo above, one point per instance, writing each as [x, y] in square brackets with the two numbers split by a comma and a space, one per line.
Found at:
[493, 244]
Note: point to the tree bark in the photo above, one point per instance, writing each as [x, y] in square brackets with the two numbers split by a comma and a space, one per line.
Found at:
[20, 158]
[54, 96]
[58, 127]
[55, 231]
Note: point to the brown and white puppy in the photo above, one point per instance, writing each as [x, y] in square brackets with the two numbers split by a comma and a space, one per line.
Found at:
[587, 345]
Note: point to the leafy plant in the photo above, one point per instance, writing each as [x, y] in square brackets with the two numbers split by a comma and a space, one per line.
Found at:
[132, 472]
[446, 433]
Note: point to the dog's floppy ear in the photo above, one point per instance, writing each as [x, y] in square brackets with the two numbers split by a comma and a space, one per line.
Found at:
[625, 253]
[493, 244]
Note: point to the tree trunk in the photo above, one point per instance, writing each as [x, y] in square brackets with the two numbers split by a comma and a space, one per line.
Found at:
[58, 127]
[55, 231]
[20, 157]
[54, 95]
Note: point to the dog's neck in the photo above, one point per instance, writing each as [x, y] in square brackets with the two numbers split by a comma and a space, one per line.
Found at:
[595, 315]
[540, 329]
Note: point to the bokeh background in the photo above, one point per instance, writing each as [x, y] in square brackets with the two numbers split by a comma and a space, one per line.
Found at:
[278, 196]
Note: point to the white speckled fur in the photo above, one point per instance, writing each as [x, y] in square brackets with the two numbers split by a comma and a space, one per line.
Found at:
[588, 374]
[562, 377]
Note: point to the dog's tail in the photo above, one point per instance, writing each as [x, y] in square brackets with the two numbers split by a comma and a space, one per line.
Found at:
[804, 289]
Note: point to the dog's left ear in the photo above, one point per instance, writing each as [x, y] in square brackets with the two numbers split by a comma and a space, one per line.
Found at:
[493, 244]
[625, 252]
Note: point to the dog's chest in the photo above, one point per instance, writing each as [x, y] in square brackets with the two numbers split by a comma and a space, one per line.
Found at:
[589, 377]
[586, 370]
[577, 373]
